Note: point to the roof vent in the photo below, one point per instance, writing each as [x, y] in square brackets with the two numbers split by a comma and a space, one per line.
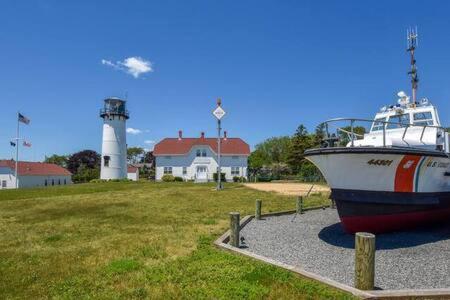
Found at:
[180, 134]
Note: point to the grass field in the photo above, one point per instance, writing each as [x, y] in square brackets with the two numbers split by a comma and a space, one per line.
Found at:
[136, 240]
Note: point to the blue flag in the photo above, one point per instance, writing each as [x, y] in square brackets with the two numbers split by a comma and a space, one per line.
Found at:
[12, 144]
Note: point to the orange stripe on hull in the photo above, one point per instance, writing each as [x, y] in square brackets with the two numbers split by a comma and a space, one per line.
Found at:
[404, 176]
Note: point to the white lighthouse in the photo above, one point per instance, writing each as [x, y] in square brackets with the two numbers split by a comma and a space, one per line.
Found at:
[114, 145]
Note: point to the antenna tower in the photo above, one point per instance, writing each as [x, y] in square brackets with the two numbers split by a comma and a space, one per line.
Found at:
[412, 43]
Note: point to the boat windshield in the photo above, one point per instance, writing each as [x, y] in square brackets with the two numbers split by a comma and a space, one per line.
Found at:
[423, 118]
[398, 121]
[378, 124]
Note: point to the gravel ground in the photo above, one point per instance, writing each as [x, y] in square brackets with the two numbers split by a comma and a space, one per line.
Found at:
[316, 242]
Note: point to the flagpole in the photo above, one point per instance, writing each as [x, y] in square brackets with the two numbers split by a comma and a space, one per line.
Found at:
[17, 152]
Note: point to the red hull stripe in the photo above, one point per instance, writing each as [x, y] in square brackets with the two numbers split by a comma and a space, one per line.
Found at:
[404, 176]
[386, 223]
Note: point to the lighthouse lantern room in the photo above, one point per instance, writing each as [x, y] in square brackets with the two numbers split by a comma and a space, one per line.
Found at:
[114, 144]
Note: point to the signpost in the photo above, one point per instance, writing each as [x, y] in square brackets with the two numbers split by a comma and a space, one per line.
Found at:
[219, 113]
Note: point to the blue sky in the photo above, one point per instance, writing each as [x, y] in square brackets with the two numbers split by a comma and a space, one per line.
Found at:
[275, 64]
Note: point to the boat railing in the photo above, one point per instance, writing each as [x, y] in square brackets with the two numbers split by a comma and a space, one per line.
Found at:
[353, 136]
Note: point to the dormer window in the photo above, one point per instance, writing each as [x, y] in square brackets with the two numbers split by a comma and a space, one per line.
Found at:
[201, 153]
[423, 118]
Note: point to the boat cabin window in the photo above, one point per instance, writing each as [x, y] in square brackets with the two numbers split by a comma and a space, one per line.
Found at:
[423, 118]
[378, 124]
[401, 121]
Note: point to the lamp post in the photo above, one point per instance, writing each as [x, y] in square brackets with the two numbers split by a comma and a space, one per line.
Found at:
[219, 113]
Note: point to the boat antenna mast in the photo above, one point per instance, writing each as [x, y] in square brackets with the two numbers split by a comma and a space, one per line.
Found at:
[412, 43]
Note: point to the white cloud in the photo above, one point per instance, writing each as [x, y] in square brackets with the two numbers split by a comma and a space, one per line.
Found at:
[133, 131]
[149, 142]
[135, 65]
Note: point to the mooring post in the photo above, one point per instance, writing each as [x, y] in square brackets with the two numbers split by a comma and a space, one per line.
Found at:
[258, 210]
[299, 204]
[234, 228]
[364, 261]
[333, 204]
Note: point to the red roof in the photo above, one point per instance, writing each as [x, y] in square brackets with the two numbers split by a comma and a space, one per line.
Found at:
[180, 146]
[132, 169]
[34, 168]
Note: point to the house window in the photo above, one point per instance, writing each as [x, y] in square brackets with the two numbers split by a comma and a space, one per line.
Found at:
[168, 170]
[45, 182]
[235, 171]
[65, 181]
[184, 170]
[168, 157]
[53, 181]
[423, 118]
[203, 152]
[3, 184]
[235, 157]
[106, 159]
[59, 181]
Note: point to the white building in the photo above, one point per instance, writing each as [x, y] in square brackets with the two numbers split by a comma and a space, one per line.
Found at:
[196, 158]
[114, 143]
[32, 174]
[133, 173]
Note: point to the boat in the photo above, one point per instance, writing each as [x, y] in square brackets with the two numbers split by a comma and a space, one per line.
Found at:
[395, 175]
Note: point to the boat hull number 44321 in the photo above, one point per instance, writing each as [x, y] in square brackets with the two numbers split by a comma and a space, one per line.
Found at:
[380, 162]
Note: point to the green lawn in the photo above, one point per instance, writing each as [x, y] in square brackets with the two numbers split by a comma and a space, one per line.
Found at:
[136, 240]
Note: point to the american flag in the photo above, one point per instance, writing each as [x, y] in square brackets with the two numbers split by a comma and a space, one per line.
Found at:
[26, 144]
[23, 119]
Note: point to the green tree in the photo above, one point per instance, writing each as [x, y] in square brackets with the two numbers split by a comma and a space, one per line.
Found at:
[60, 160]
[272, 150]
[319, 135]
[301, 141]
[345, 138]
[134, 154]
[84, 165]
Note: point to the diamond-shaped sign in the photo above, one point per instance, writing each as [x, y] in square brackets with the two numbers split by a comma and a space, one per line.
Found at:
[219, 113]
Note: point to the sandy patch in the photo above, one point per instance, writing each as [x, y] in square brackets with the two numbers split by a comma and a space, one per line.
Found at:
[291, 189]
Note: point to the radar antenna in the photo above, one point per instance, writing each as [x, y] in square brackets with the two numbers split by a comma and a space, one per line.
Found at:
[412, 43]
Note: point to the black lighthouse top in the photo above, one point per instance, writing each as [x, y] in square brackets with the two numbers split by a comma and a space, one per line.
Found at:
[114, 107]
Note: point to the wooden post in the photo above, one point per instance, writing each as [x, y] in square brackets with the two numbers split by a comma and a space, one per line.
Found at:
[234, 229]
[258, 210]
[364, 261]
[299, 204]
[333, 204]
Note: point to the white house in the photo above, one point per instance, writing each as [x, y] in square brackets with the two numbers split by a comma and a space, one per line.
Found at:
[133, 173]
[196, 158]
[32, 174]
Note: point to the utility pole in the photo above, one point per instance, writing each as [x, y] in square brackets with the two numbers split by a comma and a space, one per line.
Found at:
[219, 113]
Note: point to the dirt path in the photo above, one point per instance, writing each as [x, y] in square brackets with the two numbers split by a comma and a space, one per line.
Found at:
[288, 188]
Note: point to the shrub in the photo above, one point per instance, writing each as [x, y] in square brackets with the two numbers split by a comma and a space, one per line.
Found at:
[85, 175]
[120, 180]
[97, 180]
[168, 178]
[178, 178]
[239, 179]
[222, 177]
